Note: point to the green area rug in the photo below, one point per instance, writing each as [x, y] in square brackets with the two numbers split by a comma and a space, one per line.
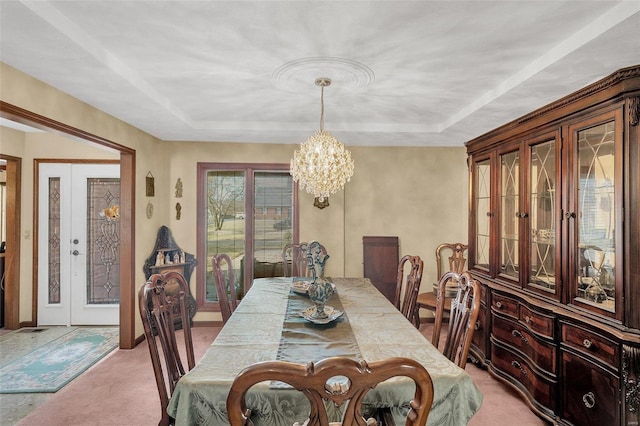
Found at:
[54, 363]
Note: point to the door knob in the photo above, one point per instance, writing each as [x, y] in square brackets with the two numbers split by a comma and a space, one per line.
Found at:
[76, 241]
[75, 252]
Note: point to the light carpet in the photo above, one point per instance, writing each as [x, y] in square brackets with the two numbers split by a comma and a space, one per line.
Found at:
[54, 362]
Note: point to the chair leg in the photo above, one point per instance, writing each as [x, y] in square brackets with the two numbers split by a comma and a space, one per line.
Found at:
[384, 417]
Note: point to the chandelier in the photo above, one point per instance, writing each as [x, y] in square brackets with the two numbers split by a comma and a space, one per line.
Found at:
[322, 165]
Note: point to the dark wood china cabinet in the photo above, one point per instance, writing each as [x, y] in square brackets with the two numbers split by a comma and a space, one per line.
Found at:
[554, 239]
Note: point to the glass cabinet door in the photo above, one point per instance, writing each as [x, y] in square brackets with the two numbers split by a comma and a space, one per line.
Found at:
[481, 199]
[596, 283]
[542, 210]
[510, 214]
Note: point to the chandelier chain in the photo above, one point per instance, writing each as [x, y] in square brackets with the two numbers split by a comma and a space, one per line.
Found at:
[321, 107]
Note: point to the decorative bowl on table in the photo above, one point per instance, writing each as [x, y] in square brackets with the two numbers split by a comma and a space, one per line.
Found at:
[331, 313]
[300, 287]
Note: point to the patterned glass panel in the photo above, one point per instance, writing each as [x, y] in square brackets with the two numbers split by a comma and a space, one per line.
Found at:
[509, 205]
[103, 245]
[542, 175]
[596, 216]
[54, 241]
[482, 201]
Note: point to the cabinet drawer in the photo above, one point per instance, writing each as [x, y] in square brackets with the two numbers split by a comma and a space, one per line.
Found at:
[505, 305]
[595, 345]
[540, 389]
[536, 321]
[589, 393]
[543, 354]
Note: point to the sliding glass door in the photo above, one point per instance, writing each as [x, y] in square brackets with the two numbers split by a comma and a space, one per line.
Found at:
[248, 212]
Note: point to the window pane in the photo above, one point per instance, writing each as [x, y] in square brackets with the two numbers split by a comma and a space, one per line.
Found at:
[225, 222]
[542, 171]
[597, 215]
[483, 210]
[273, 201]
[509, 200]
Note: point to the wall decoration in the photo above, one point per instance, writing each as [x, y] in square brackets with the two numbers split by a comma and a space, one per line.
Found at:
[149, 210]
[178, 211]
[179, 188]
[150, 185]
[321, 204]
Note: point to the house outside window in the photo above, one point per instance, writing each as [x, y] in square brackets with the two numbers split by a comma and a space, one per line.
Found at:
[248, 211]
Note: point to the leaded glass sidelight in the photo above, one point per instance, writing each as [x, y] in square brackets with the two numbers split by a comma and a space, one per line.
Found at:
[482, 206]
[53, 239]
[103, 234]
[596, 216]
[509, 213]
[542, 196]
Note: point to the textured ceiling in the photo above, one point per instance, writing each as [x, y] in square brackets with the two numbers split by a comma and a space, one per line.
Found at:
[414, 73]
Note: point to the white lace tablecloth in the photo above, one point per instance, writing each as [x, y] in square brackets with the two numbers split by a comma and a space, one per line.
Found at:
[254, 334]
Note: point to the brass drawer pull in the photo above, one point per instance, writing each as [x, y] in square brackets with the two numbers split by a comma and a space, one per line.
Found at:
[499, 305]
[589, 400]
[477, 326]
[587, 343]
[527, 319]
[517, 365]
[516, 333]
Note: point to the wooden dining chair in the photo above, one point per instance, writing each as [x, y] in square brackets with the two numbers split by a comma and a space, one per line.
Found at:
[162, 302]
[449, 257]
[294, 260]
[463, 316]
[408, 286]
[340, 380]
[225, 285]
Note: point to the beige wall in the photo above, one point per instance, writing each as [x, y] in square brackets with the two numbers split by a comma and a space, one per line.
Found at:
[417, 194]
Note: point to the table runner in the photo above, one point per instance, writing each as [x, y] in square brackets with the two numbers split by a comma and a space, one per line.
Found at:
[253, 334]
[303, 341]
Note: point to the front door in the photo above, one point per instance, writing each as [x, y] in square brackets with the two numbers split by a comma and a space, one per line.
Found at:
[78, 244]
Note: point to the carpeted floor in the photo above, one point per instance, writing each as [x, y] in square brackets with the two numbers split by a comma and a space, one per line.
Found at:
[120, 391]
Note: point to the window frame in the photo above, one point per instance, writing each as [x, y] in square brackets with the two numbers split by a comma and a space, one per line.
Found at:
[250, 169]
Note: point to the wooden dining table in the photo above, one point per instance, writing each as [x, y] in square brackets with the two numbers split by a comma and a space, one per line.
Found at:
[267, 325]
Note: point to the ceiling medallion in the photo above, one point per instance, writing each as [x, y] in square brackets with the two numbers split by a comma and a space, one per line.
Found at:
[294, 76]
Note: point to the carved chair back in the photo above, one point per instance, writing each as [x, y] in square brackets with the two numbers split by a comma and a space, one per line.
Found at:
[162, 302]
[463, 316]
[294, 260]
[339, 380]
[450, 257]
[407, 287]
[225, 285]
